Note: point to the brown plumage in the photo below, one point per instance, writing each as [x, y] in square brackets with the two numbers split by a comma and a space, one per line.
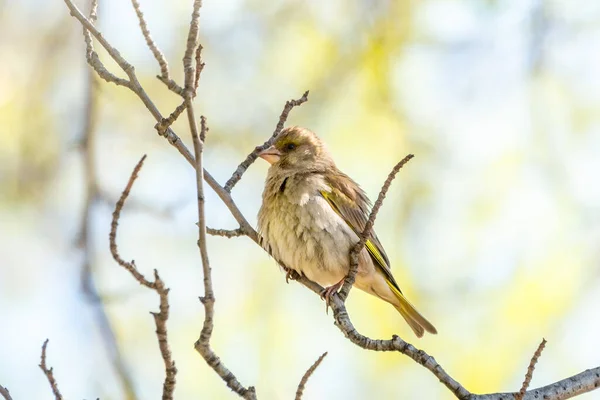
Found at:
[311, 216]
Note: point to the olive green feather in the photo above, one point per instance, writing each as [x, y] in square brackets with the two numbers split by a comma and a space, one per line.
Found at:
[351, 203]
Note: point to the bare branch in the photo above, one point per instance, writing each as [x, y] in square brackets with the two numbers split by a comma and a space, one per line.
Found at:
[5, 393]
[160, 318]
[87, 37]
[355, 251]
[192, 44]
[96, 64]
[171, 137]
[88, 25]
[49, 373]
[199, 67]
[202, 345]
[225, 232]
[166, 123]
[164, 76]
[573, 386]
[241, 169]
[134, 84]
[530, 369]
[91, 55]
[129, 266]
[307, 375]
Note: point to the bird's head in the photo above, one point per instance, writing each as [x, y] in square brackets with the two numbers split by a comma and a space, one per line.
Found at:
[299, 149]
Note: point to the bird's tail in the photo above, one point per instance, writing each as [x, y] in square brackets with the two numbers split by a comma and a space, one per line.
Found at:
[415, 320]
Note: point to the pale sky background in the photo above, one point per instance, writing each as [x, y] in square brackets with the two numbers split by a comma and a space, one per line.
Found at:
[493, 229]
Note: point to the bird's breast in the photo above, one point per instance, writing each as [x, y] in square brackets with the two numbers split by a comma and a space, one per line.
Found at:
[301, 229]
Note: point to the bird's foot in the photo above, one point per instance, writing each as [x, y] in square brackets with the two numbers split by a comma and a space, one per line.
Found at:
[330, 291]
[290, 274]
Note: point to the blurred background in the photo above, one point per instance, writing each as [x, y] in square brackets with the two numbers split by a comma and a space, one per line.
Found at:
[493, 229]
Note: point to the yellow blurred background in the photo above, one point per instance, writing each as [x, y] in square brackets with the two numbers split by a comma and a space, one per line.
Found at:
[493, 229]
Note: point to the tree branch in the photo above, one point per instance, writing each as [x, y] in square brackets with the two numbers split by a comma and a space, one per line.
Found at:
[355, 251]
[530, 369]
[91, 55]
[307, 375]
[160, 318]
[241, 169]
[49, 373]
[164, 76]
[575, 385]
[5, 393]
[168, 133]
[225, 232]
[202, 345]
[192, 44]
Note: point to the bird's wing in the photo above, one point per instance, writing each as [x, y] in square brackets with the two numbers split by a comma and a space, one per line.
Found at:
[351, 203]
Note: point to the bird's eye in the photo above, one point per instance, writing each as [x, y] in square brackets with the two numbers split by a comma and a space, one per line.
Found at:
[290, 146]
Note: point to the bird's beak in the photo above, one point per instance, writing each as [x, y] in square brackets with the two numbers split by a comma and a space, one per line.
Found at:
[270, 155]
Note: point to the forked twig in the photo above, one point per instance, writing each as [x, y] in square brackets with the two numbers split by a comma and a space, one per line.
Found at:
[91, 55]
[160, 318]
[166, 123]
[307, 375]
[191, 46]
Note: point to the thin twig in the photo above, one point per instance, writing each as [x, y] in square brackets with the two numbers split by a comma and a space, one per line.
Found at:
[225, 232]
[91, 55]
[49, 373]
[202, 345]
[199, 67]
[355, 251]
[567, 388]
[169, 134]
[166, 123]
[160, 318]
[129, 266]
[530, 369]
[241, 169]
[164, 76]
[87, 37]
[5, 393]
[133, 84]
[160, 321]
[191, 46]
[307, 375]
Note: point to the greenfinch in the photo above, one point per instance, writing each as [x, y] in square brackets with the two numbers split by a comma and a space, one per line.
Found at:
[311, 216]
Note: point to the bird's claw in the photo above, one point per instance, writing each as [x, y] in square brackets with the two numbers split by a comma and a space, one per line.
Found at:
[290, 274]
[330, 291]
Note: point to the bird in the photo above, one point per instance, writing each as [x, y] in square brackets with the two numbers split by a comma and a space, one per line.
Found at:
[312, 215]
